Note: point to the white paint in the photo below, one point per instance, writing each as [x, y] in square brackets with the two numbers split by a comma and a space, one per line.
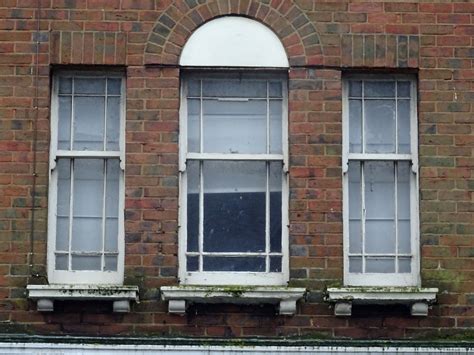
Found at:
[113, 349]
[234, 41]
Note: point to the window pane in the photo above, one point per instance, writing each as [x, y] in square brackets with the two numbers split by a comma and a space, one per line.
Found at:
[88, 204]
[234, 206]
[192, 170]
[234, 126]
[226, 87]
[355, 126]
[192, 263]
[355, 264]
[113, 123]
[64, 122]
[404, 126]
[65, 85]
[276, 129]
[275, 264]
[63, 200]
[355, 88]
[62, 262]
[215, 263]
[379, 88]
[380, 265]
[379, 126]
[88, 123]
[110, 263]
[194, 108]
[114, 86]
[89, 86]
[404, 265]
[276, 171]
[275, 89]
[80, 262]
[403, 88]
[112, 205]
[403, 191]
[380, 207]
[355, 208]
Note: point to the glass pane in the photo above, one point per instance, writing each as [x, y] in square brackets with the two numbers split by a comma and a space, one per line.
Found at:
[403, 89]
[226, 87]
[276, 129]
[194, 88]
[234, 206]
[219, 263]
[403, 191]
[113, 123]
[276, 171]
[379, 88]
[379, 126]
[114, 86]
[65, 85]
[404, 265]
[80, 262]
[355, 208]
[110, 263]
[379, 181]
[88, 123]
[89, 86]
[88, 204]
[404, 126]
[192, 171]
[193, 125]
[234, 126]
[192, 263]
[355, 264]
[355, 126]
[63, 201]
[275, 89]
[62, 262]
[355, 88]
[112, 205]
[275, 264]
[64, 122]
[380, 265]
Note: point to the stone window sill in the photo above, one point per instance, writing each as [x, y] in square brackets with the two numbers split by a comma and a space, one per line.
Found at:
[180, 297]
[417, 298]
[45, 295]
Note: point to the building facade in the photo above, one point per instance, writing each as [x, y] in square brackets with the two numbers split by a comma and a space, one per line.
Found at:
[237, 170]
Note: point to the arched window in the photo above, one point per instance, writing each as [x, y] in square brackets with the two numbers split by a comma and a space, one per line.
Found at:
[233, 156]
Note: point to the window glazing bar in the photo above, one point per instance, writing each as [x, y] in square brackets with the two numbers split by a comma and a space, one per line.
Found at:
[227, 156]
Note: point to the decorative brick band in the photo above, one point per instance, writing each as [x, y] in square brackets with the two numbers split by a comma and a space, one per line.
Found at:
[88, 47]
[388, 51]
[297, 33]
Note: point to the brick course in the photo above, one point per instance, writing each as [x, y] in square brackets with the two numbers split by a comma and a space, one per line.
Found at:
[322, 39]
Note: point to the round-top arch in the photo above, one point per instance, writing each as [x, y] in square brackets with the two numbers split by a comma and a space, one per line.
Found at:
[284, 19]
[234, 41]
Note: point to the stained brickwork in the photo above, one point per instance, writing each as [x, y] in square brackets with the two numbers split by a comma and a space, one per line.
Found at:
[433, 40]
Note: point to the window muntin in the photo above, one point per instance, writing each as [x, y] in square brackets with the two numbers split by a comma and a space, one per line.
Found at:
[86, 194]
[233, 184]
[380, 181]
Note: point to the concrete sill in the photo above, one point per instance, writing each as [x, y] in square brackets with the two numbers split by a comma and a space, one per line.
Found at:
[417, 298]
[45, 295]
[180, 297]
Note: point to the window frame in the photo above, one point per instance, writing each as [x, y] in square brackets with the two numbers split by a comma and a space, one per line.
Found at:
[90, 277]
[218, 278]
[383, 279]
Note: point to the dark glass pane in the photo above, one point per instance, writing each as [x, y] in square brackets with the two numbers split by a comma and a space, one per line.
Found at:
[403, 89]
[355, 88]
[193, 205]
[222, 263]
[276, 171]
[234, 206]
[380, 265]
[379, 88]
[192, 263]
[79, 262]
[275, 264]
[114, 86]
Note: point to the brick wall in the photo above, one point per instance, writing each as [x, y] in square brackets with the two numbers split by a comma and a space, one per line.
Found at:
[323, 39]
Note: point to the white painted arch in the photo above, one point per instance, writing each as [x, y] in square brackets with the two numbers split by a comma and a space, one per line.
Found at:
[234, 41]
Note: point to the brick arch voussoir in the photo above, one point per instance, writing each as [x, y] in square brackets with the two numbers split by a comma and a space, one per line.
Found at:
[175, 25]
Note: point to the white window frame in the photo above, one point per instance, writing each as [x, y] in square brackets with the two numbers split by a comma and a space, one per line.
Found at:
[383, 279]
[225, 277]
[86, 276]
